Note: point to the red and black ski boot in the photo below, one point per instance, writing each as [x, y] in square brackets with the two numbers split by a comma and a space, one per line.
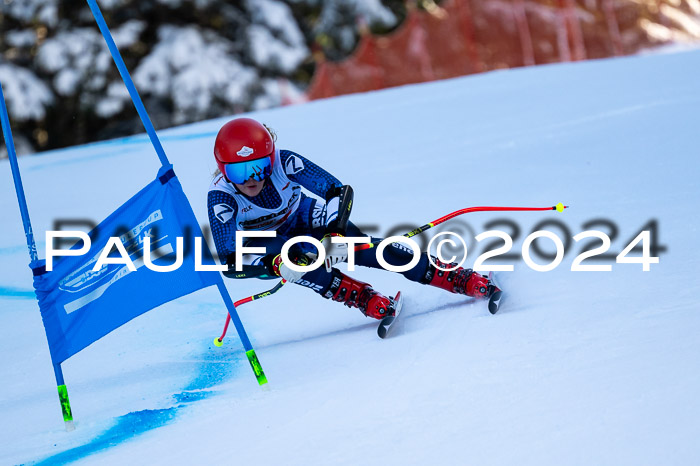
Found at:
[463, 281]
[354, 293]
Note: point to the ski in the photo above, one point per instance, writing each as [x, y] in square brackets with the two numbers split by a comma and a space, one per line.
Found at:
[496, 297]
[387, 323]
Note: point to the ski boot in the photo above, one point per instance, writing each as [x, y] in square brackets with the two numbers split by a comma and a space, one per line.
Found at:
[459, 281]
[354, 293]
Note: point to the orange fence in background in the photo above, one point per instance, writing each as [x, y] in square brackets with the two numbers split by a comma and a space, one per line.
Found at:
[469, 36]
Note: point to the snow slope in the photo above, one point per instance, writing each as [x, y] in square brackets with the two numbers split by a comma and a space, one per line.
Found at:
[578, 368]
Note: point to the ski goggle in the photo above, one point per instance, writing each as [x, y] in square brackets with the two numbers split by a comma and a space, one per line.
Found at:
[241, 172]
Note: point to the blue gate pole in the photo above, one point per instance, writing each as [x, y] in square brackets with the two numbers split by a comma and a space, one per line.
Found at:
[116, 56]
[249, 351]
[10, 144]
[63, 398]
[34, 257]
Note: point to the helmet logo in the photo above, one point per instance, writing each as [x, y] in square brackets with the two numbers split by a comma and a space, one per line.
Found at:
[245, 152]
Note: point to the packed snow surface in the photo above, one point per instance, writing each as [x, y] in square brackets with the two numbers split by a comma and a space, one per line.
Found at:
[577, 368]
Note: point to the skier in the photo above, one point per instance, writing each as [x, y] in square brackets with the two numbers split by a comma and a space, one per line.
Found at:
[258, 187]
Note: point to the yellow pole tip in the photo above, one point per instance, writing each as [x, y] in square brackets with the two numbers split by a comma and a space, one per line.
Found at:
[218, 342]
[561, 207]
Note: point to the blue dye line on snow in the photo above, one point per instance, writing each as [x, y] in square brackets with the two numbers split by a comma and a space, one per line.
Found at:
[12, 250]
[124, 145]
[7, 292]
[208, 374]
[132, 140]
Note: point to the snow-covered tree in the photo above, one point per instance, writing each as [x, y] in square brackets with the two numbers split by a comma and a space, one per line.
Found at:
[190, 60]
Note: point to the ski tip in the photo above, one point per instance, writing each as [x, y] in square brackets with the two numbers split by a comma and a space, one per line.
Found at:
[386, 324]
[495, 301]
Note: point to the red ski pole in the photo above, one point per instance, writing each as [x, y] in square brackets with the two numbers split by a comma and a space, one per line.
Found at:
[559, 208]
[220, 340]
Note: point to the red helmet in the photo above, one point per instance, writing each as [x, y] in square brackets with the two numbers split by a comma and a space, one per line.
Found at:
[241, 141]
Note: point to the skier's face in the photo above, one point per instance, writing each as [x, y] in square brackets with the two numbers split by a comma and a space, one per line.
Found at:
[251, 188]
